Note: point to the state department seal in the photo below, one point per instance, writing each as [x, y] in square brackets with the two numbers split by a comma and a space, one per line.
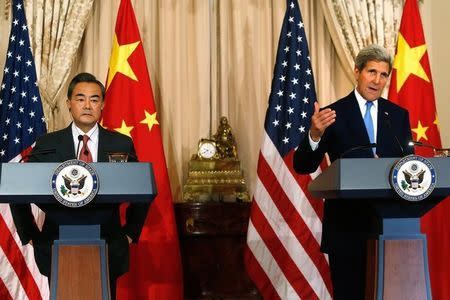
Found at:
[413, 178]
[74, 183]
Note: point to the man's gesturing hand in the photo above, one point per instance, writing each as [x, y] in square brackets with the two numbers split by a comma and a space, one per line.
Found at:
[320, 120]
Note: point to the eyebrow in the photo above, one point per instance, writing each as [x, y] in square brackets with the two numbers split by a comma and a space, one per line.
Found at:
[83, 95]
[375, 70]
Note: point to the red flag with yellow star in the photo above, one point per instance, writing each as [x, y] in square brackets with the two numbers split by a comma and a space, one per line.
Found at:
[155, 263]
[412, 88]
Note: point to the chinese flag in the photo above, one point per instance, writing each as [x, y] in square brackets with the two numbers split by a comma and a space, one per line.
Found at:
[155, 263]
[412, 88]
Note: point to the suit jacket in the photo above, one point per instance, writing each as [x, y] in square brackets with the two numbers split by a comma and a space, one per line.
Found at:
[353, 218]
[107, 215]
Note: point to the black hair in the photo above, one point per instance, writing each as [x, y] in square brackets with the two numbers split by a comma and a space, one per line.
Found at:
[84, 77]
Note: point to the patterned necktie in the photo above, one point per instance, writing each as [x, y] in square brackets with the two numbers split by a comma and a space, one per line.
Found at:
[85, 154]
[369, 123]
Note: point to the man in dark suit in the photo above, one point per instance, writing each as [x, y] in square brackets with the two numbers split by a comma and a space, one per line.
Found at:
[361, 118]
[85, 103]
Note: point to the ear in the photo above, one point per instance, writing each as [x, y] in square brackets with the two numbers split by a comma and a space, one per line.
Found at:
[356, 73]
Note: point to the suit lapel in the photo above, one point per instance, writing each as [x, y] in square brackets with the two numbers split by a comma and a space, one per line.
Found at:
[102, 155]
[66, 144]
[381, 127]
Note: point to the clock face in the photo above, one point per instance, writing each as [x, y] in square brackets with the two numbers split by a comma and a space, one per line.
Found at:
[207, 150]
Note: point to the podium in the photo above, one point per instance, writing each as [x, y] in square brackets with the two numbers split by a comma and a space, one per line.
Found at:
[79, 259]
[400, 266]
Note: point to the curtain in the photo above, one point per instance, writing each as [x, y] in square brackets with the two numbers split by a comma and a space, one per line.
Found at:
[56, 30]
[354, 24]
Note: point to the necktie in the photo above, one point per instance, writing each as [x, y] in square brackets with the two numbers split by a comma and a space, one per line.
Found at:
[369, 123]
[85, 154]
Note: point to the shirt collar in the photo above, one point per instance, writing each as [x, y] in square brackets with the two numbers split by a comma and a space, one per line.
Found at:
[362, 101]
[92, 133]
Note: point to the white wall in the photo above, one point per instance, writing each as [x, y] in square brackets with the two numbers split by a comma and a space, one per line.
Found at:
[436, 23]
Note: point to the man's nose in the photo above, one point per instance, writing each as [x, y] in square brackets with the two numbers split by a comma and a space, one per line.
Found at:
[377, 78]
[87, 104]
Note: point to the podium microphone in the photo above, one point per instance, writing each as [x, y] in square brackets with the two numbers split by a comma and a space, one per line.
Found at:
[425, 145]
[389, 126]
[360, 147]
[80, 138]
[420, 144]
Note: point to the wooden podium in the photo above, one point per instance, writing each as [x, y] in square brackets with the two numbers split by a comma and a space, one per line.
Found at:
[400, 266]
[79, 259]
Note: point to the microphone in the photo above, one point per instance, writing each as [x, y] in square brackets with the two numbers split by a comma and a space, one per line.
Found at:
[425, 145]
[41, 152]
[389, 126]
[80, 138]
[356, 148]
[420, 144]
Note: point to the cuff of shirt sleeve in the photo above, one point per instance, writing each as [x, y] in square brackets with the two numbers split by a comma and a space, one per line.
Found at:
[314, 145]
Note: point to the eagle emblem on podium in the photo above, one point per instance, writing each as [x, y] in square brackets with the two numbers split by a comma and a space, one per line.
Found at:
[74, 183]
[413, 178]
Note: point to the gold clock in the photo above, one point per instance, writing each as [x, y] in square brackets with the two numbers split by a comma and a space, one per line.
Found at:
[207, 149]
[215, 172]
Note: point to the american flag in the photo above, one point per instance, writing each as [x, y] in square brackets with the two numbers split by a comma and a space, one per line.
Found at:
[22, 121]
[283, 255]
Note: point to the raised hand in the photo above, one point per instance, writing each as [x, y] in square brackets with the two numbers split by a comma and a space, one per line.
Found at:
[320, 120]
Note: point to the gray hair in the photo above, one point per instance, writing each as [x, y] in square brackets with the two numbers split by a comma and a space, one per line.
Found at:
[372, 53]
